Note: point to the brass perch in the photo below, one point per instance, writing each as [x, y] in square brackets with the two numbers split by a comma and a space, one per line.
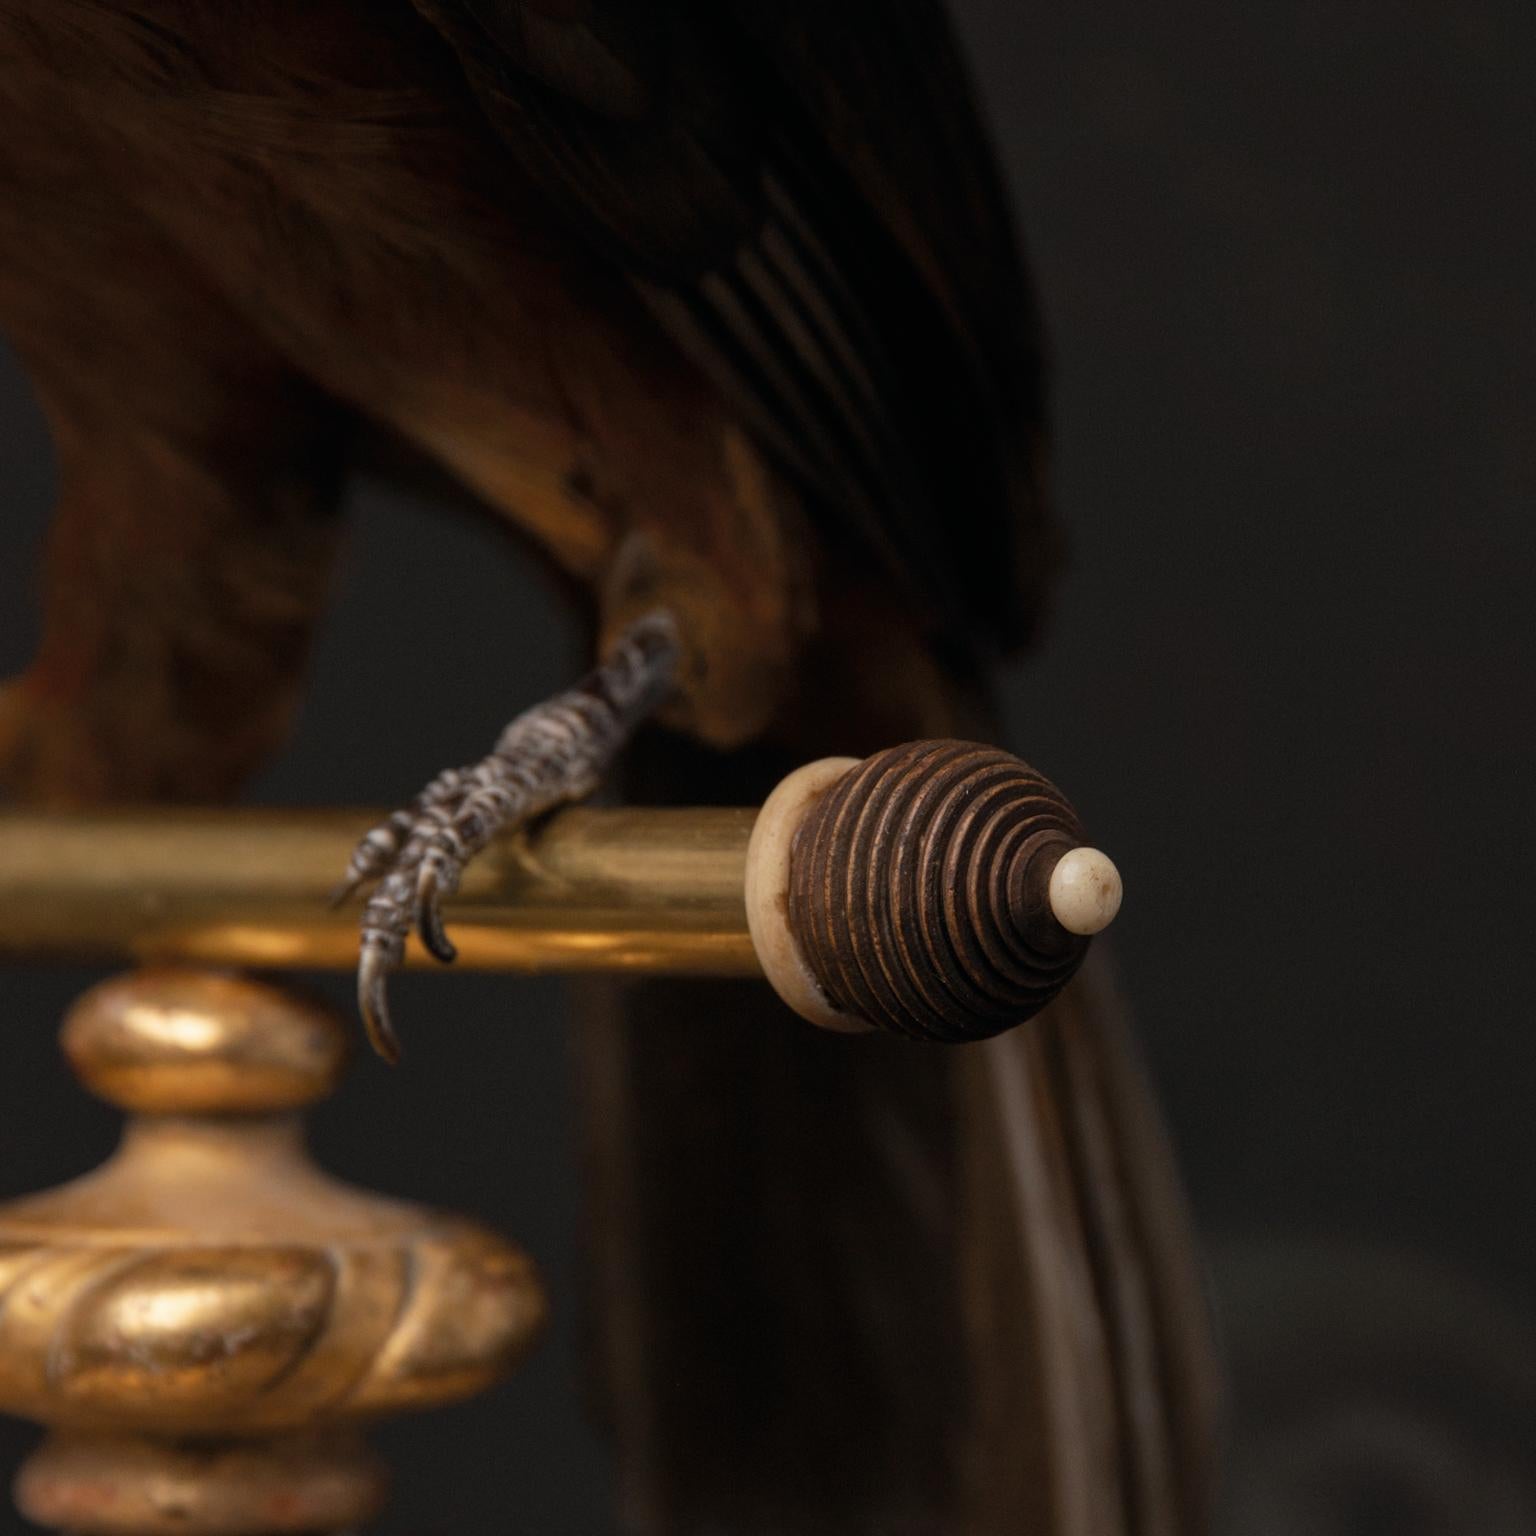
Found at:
[940, 889]
[206, 1321]
[592, 890]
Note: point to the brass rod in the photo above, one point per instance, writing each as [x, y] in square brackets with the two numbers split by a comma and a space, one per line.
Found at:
[655, 891]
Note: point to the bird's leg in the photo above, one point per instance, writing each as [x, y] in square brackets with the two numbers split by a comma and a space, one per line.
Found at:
[549, 755]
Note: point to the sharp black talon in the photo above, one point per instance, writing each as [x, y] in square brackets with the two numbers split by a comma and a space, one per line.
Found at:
[429, 919]
[373, 1005]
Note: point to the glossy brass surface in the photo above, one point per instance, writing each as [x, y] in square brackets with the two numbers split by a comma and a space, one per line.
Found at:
[591, 890]
[205, 1320]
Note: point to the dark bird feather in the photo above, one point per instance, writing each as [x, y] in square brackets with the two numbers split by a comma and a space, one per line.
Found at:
[806, 198]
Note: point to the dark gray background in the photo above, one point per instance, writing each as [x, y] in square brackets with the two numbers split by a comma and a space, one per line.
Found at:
[1285, 252]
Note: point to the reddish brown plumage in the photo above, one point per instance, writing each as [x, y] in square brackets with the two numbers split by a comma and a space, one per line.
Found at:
[254, 202]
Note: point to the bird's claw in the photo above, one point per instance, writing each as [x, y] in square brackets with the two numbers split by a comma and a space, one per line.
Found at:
[416, 858]
[408, 894]
[373, 1004]
[550, 755]
[429, 916]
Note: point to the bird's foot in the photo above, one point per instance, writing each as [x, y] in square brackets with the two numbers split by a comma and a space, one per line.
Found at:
[549, 755]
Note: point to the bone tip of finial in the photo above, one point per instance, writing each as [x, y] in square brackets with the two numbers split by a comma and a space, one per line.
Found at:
[1085, 891]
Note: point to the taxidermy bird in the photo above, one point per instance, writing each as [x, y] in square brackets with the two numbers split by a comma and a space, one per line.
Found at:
[717, 305]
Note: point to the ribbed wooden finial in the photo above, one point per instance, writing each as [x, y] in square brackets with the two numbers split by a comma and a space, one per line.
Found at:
[922, 894]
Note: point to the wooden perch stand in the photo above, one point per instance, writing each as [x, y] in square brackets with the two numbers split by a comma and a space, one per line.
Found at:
[207, 1322]
[940, 889]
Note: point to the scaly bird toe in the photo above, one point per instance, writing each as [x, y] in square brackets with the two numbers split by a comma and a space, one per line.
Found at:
[548, 756]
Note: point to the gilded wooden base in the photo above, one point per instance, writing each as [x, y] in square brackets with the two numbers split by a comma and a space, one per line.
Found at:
[205, 1321]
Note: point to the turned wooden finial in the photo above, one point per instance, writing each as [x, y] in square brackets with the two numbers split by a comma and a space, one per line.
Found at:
[940, 890]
